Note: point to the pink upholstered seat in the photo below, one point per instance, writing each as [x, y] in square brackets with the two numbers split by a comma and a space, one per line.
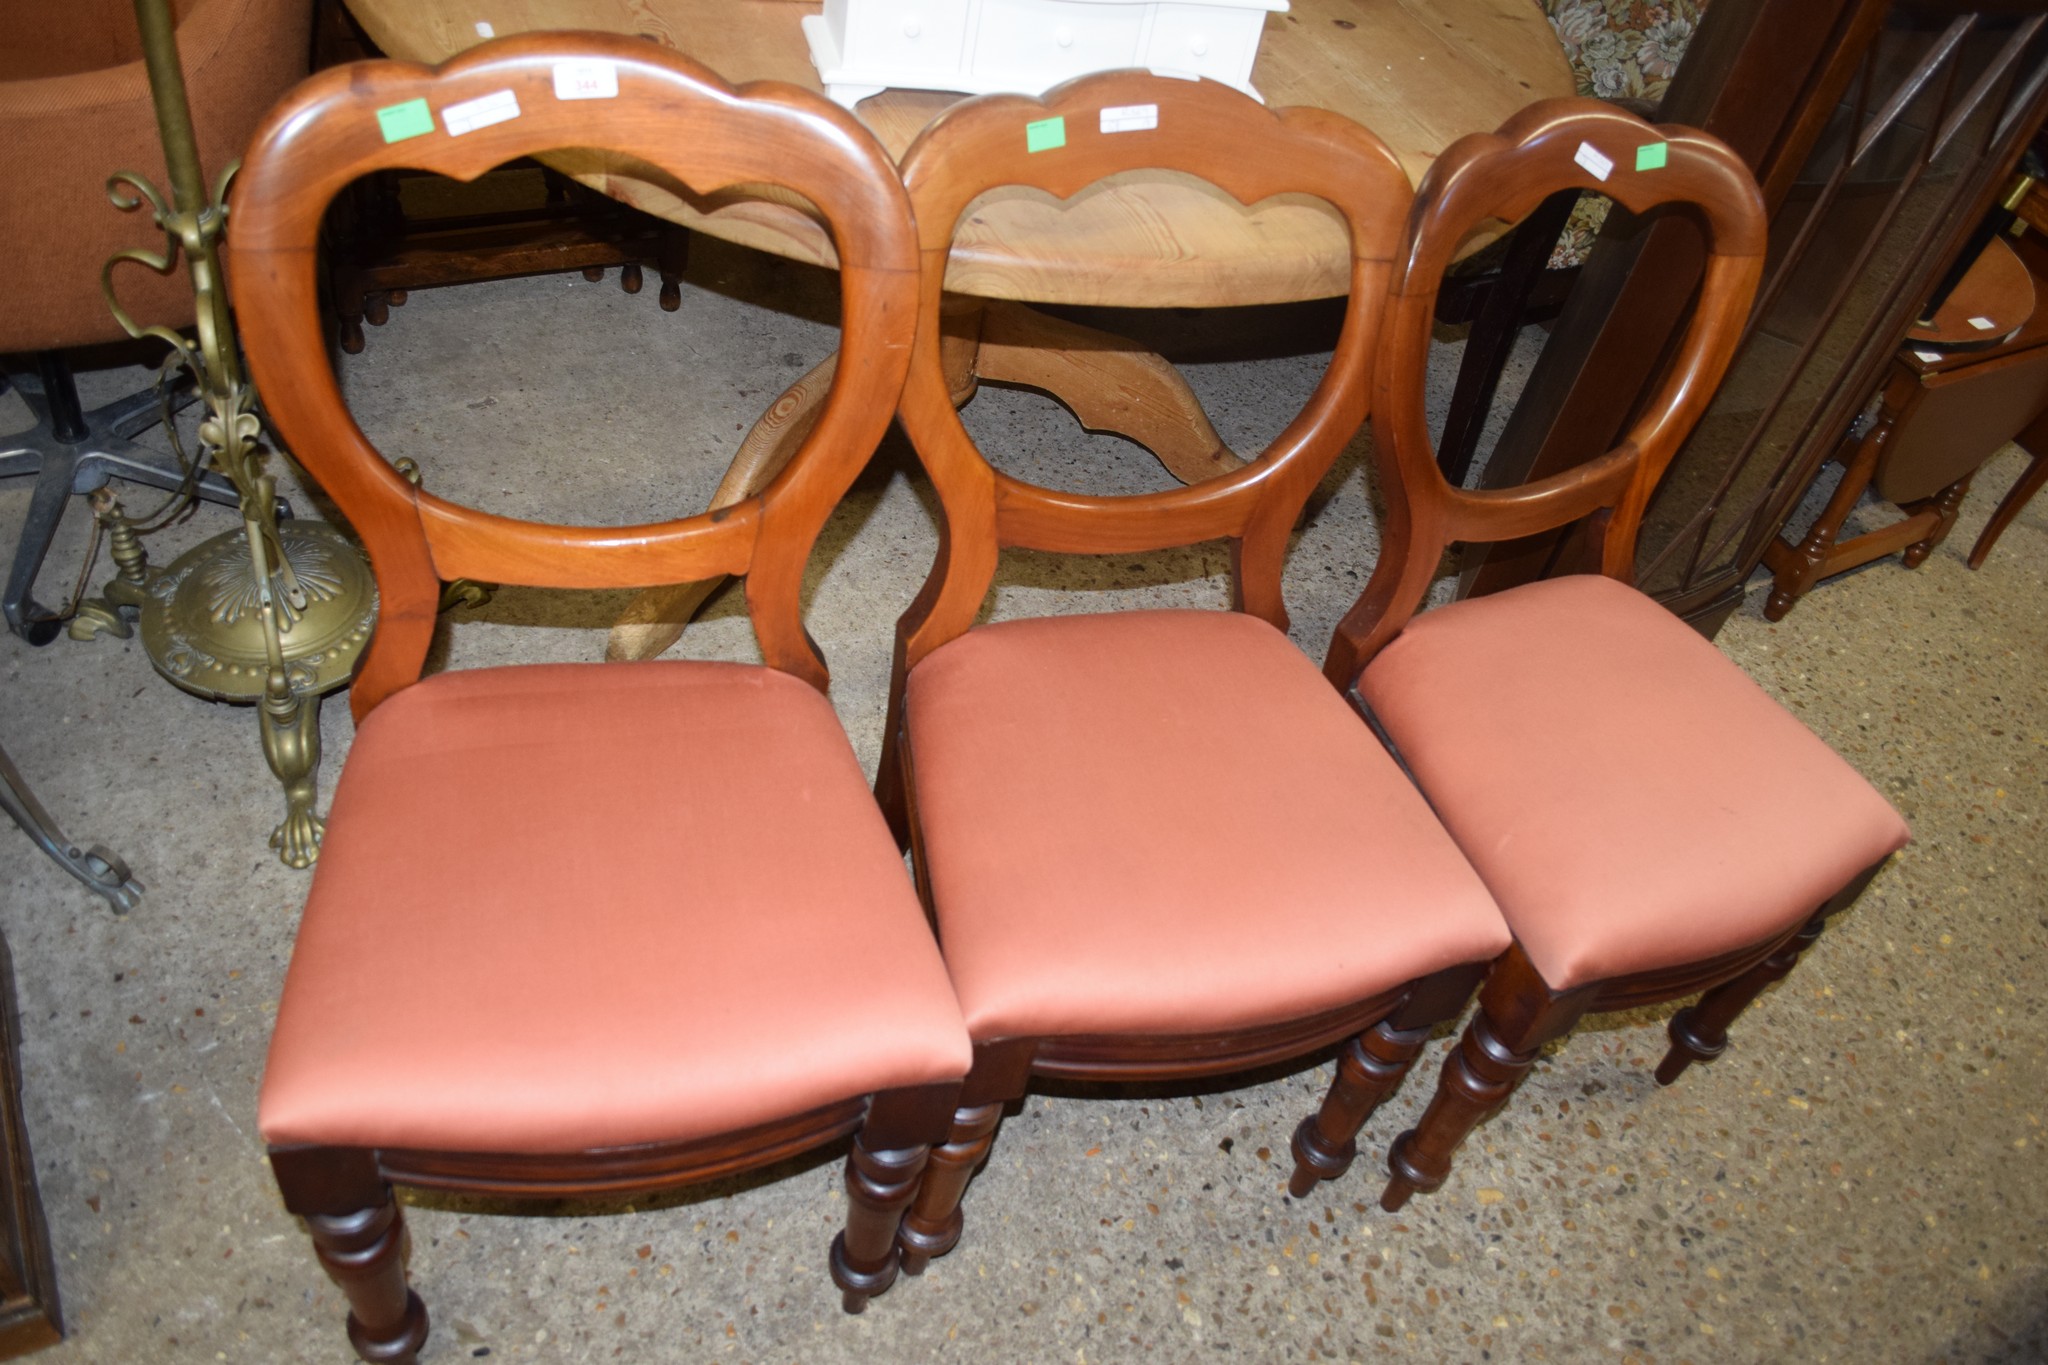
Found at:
[1167, 822]
[1631, 798]
[703, 926]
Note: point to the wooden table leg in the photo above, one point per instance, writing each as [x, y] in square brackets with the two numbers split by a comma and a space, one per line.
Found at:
[1109, 383]
[2014, 502]
[655, 618]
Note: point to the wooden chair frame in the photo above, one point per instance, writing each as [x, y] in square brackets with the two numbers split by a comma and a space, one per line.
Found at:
[1505, 175]
[680, 117]
[1252, 153]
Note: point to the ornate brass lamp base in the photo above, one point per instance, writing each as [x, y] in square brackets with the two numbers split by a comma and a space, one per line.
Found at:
[202, 627]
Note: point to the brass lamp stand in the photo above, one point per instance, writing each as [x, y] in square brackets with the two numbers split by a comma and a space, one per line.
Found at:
[271, 615]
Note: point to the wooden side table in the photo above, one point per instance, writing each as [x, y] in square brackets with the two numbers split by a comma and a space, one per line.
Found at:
[1941, 416]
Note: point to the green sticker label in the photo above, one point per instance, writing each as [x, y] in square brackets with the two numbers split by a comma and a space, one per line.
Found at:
[1045, 134]
[1652, 156]
[401, 121]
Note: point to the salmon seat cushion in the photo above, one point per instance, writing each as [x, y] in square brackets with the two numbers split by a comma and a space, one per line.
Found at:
[1632, 799]
[566, 907]
[1168, 823]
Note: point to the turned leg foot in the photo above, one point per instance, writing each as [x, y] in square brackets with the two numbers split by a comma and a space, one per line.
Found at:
[932, 1227]
[1372, 1065]
[364, 1252]
[1478, 1076]
[1945, 505]
[629, 277]
[1699, 1032]
[879, 1187]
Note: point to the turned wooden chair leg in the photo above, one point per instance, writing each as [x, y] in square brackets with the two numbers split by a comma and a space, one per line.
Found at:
[1699, 1032]
[1478, 1076]
[1373, 1063]
[879, 1187]
[365, 1253]
[1518, 1013]
[932, 1227]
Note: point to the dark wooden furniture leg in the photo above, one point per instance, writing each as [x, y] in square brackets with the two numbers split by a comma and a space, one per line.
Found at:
[2014, 502]
[1699, 1032]
[1517, 1015]
[1372, 1065]
[932, 1227]
[359, 1236]
[1943, 506]
[1795, 569]
[879, 1187]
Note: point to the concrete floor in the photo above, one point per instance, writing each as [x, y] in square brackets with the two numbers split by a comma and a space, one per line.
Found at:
[1860, 1178]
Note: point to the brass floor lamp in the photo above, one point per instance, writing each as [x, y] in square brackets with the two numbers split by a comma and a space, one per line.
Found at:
[273, 614]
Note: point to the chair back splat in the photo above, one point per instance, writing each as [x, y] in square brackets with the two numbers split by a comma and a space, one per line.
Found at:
[669, 113]
[981, 145]
[1550, 146]
[543, 1007]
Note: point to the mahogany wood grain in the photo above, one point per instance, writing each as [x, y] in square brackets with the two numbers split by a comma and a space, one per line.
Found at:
[1251, 153]
[1519, 1013]
[672, 114]
[980, 145]
[1423, 71]
[1506, 175]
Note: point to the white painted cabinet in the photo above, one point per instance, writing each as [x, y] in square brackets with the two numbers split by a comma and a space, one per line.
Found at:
[861, 47]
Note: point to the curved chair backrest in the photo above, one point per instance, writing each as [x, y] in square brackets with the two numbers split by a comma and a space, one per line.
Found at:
[669, 112]
[1550, 146]
[1252, 153]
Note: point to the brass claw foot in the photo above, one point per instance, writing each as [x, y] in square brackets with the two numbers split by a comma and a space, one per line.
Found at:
[291, 741]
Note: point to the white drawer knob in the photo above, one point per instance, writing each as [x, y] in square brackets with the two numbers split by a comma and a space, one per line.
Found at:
[912, 28]
[1198, 44]
[1063, 35]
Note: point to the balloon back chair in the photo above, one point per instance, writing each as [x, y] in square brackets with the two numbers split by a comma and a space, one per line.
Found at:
[1155, 843]
[1651, 823]
[544, 1005]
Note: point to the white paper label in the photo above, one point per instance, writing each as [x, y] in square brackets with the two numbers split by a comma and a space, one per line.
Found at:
[484, 30]
[1982, 324]
[1593, 160]
[1930, 357]
[1130, 118]
[471, 115]
[586, 80]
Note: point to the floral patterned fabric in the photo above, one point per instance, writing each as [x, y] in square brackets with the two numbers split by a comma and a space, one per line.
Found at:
[1619, 49]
